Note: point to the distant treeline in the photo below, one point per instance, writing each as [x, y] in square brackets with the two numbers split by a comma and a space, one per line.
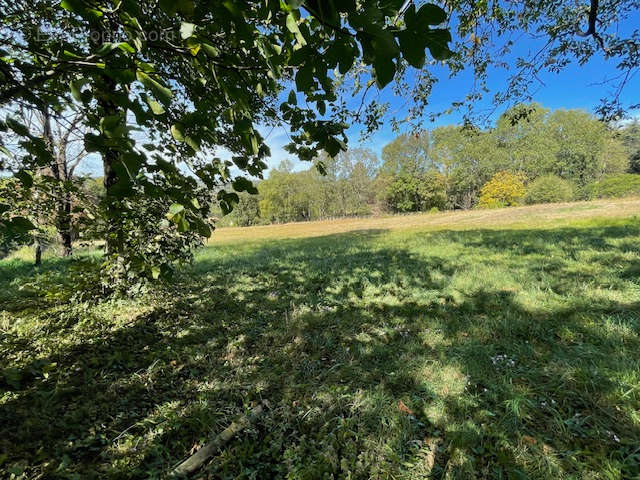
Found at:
[532, 155]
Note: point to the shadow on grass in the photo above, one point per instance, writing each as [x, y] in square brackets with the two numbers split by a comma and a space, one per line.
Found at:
[335, 331]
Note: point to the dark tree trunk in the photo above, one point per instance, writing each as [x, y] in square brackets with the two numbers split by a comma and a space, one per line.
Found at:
[59, 172]
[105, 92]
[64, 225]
[38, 261]
[110, 157]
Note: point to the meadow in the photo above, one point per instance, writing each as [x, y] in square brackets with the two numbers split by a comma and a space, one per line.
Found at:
[498, 344]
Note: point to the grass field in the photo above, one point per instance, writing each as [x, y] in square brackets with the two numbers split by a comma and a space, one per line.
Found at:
[489, 344]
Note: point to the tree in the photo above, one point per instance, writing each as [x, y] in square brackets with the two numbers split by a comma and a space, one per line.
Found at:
[17, 225]
[198, 76]
[283, 197]
[416, 193]
[409, 180]
[468, 158]
[348, 187]
[524, 142]
[630, 138]
[407, 154]
[64, 140]
[585, 149]
[246, 212]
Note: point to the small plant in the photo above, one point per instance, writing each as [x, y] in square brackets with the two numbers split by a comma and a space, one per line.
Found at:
[505, 189]
[549, 189]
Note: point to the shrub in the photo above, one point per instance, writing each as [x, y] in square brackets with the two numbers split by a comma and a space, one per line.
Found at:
[615, 186]
[505, 189]
[549, 189]
[416, 193]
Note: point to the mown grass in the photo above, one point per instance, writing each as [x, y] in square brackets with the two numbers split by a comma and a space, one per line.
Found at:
[517, 352]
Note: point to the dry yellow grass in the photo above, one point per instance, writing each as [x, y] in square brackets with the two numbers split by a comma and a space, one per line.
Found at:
[536, 215]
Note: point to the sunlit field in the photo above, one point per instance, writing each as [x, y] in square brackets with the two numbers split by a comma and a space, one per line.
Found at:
[525, 217]
[485, 344]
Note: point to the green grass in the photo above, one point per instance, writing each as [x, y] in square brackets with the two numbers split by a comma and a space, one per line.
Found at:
[517, 350]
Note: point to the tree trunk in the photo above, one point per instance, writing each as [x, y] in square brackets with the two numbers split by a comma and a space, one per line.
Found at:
[64, 225]
[105, 91]
[59, 172]
[113, 235]
[38, 261]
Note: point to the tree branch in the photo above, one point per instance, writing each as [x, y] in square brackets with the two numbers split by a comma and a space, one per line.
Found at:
[591, 30]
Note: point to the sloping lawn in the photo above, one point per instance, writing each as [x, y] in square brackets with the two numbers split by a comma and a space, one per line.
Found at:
[506, 354]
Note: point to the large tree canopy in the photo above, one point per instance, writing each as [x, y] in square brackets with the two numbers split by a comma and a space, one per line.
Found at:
[162, 84]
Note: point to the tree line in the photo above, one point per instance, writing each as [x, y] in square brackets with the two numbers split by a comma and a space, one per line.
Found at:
[531, 155]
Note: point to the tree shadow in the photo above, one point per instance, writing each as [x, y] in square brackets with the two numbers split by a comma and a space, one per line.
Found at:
[375, 364]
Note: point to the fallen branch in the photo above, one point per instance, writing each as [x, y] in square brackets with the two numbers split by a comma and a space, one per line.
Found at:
[198, 459]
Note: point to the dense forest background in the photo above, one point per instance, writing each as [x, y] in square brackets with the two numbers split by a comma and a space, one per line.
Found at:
[532, 155]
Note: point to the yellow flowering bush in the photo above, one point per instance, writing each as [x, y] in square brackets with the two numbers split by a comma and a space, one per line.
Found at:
[505, 189]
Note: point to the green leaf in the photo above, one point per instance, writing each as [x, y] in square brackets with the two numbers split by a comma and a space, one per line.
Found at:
[185, 7]
[155, 107]
[175, 209]
[155, 272]
[106, 48]
[431, 14]
[39, 149]
[76, 89]
[17, 127]
[21, 225]
[193, 143]
[293, 100]
[333, 146]
[202, 228]
[25, 178]
[170, 7]
[384, 69]
[183, 225]
[241, 184]
[126, 47]
[177, 131]
[412, 50]
[186, 30]
[292, 26]
[210, 50]
[80, 8]
[161, 92]
[254, 144]
[304, 78]
[437, 41]
[232, 7]
[347, 53]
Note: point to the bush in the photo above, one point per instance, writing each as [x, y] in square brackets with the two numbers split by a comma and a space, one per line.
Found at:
[505, 189]
[614, 186]
[416, 193]
[549, 189]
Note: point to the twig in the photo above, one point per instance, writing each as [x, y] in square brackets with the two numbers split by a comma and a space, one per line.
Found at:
[198, 459]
